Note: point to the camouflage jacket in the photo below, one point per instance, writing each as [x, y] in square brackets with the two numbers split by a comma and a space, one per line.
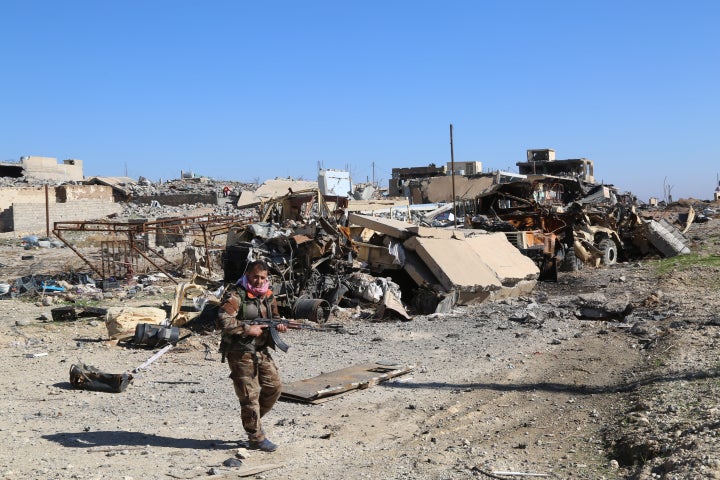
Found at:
[236, 306]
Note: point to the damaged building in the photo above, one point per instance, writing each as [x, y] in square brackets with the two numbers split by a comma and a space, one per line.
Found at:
[43, 168]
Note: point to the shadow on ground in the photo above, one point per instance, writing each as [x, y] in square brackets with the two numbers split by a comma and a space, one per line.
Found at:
[132, 439]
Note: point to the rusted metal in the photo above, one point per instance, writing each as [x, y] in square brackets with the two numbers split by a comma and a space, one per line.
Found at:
[209, 225]
[117, 257]
[208, 263]
[314, 309]
[153, 263]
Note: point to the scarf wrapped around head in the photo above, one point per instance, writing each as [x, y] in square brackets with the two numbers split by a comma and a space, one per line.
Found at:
[261, 291]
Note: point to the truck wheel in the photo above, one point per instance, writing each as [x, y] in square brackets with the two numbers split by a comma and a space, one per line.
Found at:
[571, 263]
[609, 251]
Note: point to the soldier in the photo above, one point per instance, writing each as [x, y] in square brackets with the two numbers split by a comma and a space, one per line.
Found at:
[252, 370]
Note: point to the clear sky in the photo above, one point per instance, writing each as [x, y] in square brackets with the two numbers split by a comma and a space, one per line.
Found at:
[247, 90]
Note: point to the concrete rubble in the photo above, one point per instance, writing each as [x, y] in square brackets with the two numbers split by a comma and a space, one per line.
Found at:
[474, 268]
[344, 249]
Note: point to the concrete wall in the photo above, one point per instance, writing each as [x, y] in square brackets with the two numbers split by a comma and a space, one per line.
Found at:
[71, 193]
[80, 200]
[30, 217]
[181, 199]
[47, 168]
[11, 195]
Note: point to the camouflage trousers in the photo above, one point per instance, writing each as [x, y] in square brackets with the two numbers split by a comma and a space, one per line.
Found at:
[257, 385]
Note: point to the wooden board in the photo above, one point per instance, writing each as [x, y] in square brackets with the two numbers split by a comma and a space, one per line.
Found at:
[331, 384]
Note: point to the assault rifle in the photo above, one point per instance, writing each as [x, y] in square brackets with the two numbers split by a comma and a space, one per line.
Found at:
[272, 324]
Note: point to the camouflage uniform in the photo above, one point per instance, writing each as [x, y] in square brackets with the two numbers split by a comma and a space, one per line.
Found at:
[255, 377]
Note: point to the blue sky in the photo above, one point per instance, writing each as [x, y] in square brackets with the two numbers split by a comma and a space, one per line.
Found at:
[253, 90]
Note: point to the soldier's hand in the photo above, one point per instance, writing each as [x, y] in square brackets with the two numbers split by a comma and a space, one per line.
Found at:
[282, 328]
[254, 330]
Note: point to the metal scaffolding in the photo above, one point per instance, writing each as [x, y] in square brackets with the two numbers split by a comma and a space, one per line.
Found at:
[121, 255]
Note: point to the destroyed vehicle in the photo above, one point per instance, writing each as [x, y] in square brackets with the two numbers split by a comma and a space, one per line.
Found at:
[592, 244]
[553, 206]
[543, 216]
[308, 263]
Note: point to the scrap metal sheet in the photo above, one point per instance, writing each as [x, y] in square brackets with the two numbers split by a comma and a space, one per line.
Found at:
[328, 385]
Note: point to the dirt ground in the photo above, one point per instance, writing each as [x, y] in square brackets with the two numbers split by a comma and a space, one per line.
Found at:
[520, 386]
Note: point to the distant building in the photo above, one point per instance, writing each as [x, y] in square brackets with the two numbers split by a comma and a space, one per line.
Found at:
[44, 168]
[401, 176]
[465, 168]
[543, 162]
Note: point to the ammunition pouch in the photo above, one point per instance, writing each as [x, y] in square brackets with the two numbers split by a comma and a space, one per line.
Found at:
[235, 343]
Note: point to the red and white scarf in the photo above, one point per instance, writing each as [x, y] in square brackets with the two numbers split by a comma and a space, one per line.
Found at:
[259, 292]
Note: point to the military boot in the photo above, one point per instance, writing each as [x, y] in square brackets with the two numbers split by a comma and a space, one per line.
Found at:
[263, 445]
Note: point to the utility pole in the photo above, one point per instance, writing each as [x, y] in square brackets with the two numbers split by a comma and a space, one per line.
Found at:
[47, 211]
[373, 167]
[452, 167]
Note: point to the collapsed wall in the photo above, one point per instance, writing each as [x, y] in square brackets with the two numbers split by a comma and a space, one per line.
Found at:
[474, 266]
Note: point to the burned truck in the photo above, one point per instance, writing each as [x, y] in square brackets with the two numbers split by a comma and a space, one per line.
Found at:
[546, 218]
[564, 223]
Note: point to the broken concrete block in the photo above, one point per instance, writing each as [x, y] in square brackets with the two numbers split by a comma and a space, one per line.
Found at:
[282, 186]
[523, 287]
[457, 266]
[435, 232]
[479, 268]
[388, 226]
[419, 272]
[503, 258]
[666, 238]
[247, 199]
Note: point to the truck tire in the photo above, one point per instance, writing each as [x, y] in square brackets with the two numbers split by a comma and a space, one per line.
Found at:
[609, 251]
[571, 263]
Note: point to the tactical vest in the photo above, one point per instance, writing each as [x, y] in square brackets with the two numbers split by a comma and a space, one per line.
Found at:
[250, 309]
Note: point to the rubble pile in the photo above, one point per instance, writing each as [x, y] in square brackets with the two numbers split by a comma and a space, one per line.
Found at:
[509, 236]
[199, 185]
[156, 210]
[514, 230]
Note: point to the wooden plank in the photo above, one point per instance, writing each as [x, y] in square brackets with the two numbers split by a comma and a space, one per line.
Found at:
[334, 383]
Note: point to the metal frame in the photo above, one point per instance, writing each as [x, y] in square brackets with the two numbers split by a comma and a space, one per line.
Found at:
[210, 226]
